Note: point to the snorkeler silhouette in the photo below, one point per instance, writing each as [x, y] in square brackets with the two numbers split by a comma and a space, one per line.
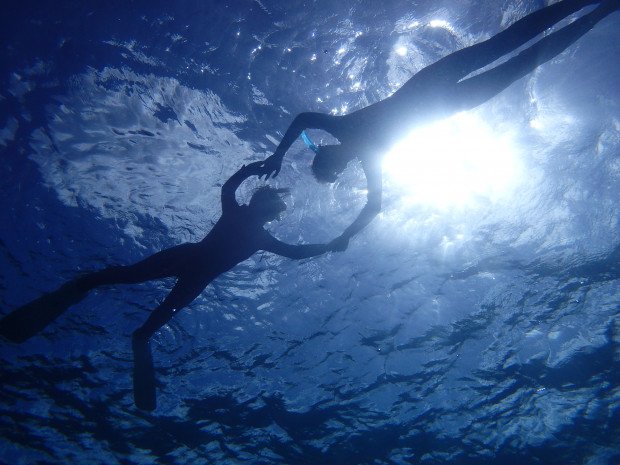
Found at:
[434, 93]
[237, 235]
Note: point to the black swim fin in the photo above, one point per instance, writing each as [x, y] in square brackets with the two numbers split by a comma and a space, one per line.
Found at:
[23, 323]
[143, 375]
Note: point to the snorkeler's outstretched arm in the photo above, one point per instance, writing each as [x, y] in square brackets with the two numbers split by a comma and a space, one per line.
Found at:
[374, 184]
[296, 252]
[271, 166]
[229, 188]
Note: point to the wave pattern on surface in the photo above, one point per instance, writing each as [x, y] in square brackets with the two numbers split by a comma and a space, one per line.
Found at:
[483, 334]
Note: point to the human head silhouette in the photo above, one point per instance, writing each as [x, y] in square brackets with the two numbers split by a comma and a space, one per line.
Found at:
[329, 161]
[266, 203]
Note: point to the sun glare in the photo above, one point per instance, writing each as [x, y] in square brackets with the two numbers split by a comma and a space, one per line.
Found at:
[455, 162]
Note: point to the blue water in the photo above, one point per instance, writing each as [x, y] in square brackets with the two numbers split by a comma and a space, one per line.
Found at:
[469, 332]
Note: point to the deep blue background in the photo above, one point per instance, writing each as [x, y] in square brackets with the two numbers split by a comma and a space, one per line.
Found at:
[486, 333]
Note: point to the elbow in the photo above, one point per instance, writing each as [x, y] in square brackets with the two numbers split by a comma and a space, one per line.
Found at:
[374, 203]
[301, 120]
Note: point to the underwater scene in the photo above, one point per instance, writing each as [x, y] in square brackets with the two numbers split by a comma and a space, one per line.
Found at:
[450, 295]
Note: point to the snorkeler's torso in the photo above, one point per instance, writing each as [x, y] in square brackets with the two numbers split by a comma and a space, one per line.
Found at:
[369, 132]
[233, 239]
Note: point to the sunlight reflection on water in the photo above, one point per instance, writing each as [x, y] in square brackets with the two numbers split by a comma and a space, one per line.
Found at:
[455, 162]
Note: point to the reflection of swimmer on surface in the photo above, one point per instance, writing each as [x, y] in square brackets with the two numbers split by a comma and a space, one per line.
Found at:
[237, 235]
[436, 92]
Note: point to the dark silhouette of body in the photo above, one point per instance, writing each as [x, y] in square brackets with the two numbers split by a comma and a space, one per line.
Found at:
[434, 93]
[237, 235]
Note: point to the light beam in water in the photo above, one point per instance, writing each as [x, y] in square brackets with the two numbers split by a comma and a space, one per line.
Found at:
[455, 162]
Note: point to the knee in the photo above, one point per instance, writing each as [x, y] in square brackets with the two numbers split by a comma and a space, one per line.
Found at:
[84, 283]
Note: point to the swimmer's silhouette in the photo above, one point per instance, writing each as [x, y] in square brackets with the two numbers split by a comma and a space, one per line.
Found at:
[235, 237]
[435, 92]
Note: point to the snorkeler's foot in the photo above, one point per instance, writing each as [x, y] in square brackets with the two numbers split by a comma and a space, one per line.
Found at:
[23, 323]
[143, 375]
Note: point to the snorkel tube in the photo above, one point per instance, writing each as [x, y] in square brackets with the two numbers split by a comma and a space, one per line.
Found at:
[309, 143]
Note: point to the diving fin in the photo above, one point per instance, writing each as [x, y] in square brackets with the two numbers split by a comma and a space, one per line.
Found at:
[143, 375]
[23, 323]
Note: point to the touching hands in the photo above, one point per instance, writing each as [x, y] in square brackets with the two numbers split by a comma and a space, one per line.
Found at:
[253, 169]
[271, 166]
[267, 168]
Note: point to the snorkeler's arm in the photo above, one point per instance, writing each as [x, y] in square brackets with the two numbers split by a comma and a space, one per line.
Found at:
[296, 252]
[230, 187]
[272, 165]
[374, 184]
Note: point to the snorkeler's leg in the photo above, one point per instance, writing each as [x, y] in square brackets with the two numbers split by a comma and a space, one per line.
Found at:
[160, 265]
[478, 89]
[462, 62]
[183, 293]
[28, 320]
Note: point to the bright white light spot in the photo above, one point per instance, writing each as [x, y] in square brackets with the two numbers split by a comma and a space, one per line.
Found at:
[536, 124]
[401, 51]
[552, 122]
[440, 23]
[455, 162]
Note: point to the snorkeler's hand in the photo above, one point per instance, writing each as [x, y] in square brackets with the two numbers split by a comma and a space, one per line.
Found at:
[253, 169]
[339, 244]
[271, 166]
